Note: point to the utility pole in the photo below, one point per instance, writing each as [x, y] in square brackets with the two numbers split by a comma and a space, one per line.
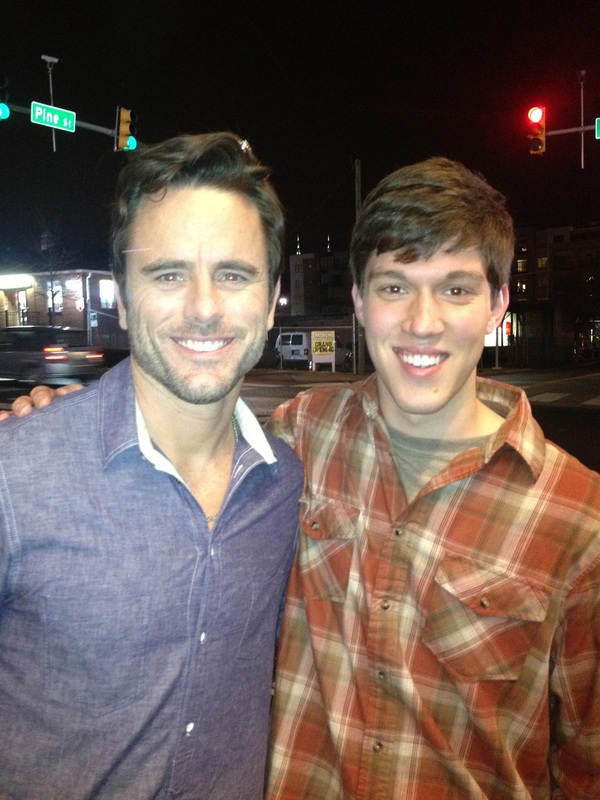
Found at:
[50, 62]
[581, 75]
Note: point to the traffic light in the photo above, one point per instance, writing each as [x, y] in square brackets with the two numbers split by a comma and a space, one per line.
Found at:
[4, 109]
[125, 130]
[537, 130]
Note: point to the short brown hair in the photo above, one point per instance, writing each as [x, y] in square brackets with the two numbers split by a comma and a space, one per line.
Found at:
[219, 160]
[429, 206]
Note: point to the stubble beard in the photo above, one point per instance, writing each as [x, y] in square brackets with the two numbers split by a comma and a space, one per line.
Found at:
[151, 360]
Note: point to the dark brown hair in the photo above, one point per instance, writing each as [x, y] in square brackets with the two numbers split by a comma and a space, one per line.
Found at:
[437, 204]
[219, 160]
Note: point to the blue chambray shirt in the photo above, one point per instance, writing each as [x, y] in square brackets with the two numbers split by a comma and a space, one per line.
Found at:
[136, 646]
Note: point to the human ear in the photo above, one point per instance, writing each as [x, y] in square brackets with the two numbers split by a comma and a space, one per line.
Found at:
[274, 299]
[358, 304]
[499, 306]
[121, 307]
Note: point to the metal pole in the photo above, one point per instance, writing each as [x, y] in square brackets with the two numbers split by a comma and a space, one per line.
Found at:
[581, 82]
[497, 351]
[50, 62]
[88, 315]
[357, 202]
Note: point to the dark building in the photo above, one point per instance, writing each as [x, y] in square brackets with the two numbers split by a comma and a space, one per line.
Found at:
[555, 296]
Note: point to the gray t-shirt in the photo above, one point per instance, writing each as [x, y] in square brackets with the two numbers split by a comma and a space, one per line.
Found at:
[419, 460]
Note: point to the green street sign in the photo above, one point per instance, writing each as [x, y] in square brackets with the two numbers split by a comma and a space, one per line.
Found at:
[597, 127]
[53, 117]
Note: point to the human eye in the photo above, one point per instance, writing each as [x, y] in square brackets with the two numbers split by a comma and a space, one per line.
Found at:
[237, 275]
[459, 292]
[169, 277]
[389, 290]
[232, 277]
[462, 285]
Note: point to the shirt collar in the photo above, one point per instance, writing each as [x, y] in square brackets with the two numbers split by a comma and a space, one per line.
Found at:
[519, 431]
[248, 425]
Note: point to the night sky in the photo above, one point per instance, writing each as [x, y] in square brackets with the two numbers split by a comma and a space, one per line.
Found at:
[313, 87]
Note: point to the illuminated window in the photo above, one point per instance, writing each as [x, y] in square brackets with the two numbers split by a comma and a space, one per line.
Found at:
[521, 265]
[107, 293]
[54, 296]
[542, 262]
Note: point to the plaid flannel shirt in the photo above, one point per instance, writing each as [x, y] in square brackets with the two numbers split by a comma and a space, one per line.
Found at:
[444, 648]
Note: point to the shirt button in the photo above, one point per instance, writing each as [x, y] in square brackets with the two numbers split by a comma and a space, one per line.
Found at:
[381, 675]
[189, 728]
[385, 604]
[377, 746]
[314, 526]
[485, 602]
[398, 531]
[202, 637]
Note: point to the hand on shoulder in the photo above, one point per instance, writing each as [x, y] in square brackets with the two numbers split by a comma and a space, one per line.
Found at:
[39, 397]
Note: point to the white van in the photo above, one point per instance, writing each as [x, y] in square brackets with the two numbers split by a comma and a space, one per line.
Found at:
[294, 349]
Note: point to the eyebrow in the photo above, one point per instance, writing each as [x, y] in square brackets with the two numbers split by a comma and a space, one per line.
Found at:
[167, 265]
[457, 274]
[164, 264]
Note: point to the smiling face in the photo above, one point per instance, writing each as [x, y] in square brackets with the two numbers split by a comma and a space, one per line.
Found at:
[197, 297]
[425, 324]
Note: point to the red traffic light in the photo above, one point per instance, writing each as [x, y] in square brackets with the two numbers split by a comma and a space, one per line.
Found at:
[537, 130]
[535, 114]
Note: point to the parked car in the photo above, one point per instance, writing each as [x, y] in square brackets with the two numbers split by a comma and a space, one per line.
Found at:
[48, 354]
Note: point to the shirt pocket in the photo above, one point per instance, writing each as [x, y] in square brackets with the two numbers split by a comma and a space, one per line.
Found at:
[96, 652]
[326, 547]
[482, 623]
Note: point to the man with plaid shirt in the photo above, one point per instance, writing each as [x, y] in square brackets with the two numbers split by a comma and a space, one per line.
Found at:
[441, 634]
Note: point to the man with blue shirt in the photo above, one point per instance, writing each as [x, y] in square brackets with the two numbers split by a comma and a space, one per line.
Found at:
[141, 580]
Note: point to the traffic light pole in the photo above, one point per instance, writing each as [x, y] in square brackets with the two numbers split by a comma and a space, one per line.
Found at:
[581, 81]
[582, 127]
[50, 62]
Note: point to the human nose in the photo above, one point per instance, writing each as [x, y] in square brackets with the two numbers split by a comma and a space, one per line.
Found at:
[423, 316]
[202, 298]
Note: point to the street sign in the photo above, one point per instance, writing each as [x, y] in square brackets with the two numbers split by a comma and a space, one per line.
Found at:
[597, 127]
[53, 117]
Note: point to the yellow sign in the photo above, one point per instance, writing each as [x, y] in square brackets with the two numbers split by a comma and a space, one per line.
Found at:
[323, 343]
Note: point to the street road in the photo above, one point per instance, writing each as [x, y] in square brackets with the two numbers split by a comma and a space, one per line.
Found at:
[566, 403]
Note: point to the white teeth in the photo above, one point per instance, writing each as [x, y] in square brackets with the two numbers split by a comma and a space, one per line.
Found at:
[422, 360]
[202, 347]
